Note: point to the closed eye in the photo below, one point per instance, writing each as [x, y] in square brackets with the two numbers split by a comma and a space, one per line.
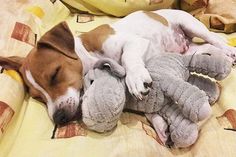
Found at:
[53, 78]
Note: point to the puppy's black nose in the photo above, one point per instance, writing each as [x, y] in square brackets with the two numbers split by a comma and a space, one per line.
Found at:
[61, 117]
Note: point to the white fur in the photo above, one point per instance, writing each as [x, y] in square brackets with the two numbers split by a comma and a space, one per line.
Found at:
[51, 108]
[134, 51]
[69, 101]
[86, 58]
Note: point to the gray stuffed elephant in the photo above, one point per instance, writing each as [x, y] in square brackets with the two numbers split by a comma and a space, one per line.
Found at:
[178, 96]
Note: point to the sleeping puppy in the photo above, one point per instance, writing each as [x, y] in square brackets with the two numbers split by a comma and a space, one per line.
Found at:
[53, 71]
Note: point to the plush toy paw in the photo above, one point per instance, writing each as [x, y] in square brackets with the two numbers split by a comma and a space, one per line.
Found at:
[199, 110]
[138, 81]
[185, 134]
[174, 126]
[160, 126]
[231, 53]
[204, 112]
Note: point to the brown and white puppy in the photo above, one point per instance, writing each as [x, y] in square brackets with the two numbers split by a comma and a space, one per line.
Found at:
[53, 71]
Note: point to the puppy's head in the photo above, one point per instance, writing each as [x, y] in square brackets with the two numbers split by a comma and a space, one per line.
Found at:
[52, 72]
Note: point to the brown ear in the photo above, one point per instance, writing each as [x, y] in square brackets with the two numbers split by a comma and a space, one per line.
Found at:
[59, 38]
[13, 62]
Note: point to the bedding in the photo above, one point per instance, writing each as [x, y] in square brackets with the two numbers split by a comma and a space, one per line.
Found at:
[217, 17]
[118, 8]
[26, 130]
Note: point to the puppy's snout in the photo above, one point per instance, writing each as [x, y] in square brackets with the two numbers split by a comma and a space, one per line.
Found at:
[61, 117]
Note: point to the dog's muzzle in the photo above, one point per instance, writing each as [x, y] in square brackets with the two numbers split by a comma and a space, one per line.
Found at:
[61, 117]
[69, 109]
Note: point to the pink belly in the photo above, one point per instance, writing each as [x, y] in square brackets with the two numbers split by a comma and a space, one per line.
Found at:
[176, 42]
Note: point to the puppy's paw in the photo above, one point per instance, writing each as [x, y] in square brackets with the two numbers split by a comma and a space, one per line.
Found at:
[138, 81]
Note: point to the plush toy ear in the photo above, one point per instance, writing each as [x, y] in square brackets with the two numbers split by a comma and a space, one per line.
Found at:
[59, 38]
[112, 66]
[13, 62]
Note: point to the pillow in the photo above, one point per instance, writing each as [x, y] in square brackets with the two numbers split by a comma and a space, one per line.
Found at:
[212, 14]
[11, 97]
[118, 8]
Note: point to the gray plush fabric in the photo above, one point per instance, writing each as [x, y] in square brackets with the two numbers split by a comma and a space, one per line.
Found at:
[180, 97]
[182, 131]
[170, 74]
[210, 87]
[102, 106]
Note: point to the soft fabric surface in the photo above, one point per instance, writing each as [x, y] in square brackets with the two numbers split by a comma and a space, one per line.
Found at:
[29, 131]
[217, 15]
[118, 8]
[11, 97]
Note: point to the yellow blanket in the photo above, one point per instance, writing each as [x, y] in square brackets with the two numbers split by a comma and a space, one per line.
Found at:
[117, 8]
[217, 15]
[29, 132]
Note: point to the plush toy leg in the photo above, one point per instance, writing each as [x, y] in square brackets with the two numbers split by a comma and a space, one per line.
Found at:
[183, 132]
[191, 100]
[215, 66]
[194, 28]
[160, 126]
[211, 88]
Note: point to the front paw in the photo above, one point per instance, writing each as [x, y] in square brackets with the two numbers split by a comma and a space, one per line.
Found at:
[138, 81]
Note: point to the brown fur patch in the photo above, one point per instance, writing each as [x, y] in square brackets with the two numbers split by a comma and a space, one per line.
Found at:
[42, 63]
[60, 38]
[94, 39]
[157, 17]
[54, 54]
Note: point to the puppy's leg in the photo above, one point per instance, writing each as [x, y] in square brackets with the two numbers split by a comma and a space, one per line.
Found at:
[138, 79]
[194, 28]
[130, 50]
[203, 48]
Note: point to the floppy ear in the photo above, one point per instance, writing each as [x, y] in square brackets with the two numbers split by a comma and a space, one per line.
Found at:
[13, 62]
[59, 38]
